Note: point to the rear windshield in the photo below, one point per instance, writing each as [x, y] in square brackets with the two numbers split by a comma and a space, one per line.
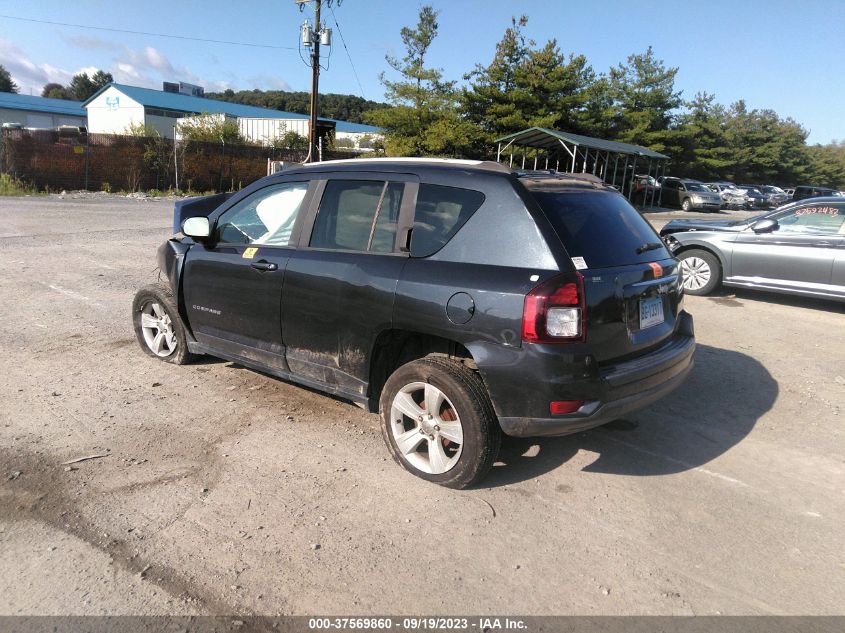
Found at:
[601, 227]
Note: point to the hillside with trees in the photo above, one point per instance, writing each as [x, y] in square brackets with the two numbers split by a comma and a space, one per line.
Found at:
[332, 106]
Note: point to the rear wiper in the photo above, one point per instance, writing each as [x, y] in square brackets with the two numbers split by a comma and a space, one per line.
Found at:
[650, 246]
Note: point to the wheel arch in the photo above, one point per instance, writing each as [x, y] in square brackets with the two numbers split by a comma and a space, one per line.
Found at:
[703, 246]
[396, 347]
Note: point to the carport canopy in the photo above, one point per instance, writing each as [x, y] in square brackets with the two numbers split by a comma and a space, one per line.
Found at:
[575, 153]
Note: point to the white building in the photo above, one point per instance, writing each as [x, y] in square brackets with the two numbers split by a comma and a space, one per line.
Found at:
[116, 107]
[39, 112]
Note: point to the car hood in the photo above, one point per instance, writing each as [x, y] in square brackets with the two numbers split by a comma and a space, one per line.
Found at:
[680, 226]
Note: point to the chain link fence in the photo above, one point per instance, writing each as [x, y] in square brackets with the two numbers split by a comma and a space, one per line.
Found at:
[54, 161]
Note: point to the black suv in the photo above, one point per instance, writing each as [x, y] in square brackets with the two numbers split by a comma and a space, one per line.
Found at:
[458, 299]
[812, 191]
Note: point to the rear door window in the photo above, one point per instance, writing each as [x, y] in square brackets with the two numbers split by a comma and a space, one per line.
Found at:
[358, 215]
[601, 227]
[440, 213]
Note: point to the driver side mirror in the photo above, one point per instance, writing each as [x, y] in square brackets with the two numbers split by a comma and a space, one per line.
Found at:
[197, 228]
[764, 226]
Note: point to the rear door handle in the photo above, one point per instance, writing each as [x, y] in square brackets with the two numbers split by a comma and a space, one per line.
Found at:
[264, 265]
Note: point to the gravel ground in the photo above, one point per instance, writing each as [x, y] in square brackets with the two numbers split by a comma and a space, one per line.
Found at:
[222, 491]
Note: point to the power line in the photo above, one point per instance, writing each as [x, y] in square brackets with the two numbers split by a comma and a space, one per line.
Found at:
[176, 37]
[343, 41]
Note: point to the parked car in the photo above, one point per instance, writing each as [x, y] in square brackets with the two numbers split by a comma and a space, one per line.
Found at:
[813, 191]
[646, 189]
[789, 192]
[775, 196]
[456, 298]
[796, 249]
[756, 198]
[689, 195]
[732, 197]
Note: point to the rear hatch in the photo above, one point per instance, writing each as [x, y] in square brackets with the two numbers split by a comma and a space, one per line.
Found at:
[631, 286]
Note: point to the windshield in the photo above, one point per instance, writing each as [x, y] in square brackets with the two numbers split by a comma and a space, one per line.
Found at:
[694, 186]
[601, 227]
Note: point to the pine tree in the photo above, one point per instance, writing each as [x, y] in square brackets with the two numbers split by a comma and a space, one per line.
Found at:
[424, 121]
[644, 99]
[6, 82]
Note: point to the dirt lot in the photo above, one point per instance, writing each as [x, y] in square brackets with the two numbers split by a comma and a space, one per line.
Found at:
[225, 491]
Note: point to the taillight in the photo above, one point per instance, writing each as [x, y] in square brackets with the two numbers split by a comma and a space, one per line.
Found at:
[554, 311]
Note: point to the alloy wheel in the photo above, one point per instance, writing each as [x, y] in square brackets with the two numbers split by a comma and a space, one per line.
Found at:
[426, 428]
[158, 330]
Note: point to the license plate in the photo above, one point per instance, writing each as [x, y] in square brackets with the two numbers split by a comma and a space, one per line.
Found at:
[651, 312]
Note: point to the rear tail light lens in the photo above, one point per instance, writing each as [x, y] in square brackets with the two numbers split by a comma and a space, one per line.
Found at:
[554, 312]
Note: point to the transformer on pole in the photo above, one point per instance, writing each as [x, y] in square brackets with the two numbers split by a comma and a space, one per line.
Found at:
[313, 38]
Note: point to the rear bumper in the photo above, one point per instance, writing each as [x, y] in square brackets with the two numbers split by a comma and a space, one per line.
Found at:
[626, 387]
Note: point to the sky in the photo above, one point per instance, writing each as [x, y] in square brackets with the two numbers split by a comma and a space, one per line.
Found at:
[774, 54]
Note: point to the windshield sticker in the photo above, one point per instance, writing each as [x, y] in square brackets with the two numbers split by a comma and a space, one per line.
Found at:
[823, 210]
[579, 263]
[250, 252]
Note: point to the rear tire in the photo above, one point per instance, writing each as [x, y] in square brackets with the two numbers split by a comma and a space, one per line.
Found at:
[438, 422]
[158, 326]
[701, 272]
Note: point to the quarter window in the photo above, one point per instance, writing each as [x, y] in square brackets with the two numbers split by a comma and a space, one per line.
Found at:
[440, 213]
[358, 215]
[266, 217]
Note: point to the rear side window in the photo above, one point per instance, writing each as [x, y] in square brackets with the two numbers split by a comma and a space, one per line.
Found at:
[440, 213]
[601, 227]
[358, 215]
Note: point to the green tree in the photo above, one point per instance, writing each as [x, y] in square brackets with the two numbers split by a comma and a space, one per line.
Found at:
[82, 86]
[424, 120]
[54, 91]
[702, 133]
[765, 147]
[491, 101]
[524, 86]
[554, 90]
[644, 100]
[826, 165]
[6, 83]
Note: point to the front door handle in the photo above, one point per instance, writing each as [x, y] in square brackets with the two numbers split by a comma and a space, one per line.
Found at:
[264, 265]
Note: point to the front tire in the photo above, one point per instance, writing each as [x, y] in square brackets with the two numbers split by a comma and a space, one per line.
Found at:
[686, 205]
[701, 272]
[158, 326]
[438, 422]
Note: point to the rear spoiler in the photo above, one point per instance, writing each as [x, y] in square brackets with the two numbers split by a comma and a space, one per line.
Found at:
[200, 206]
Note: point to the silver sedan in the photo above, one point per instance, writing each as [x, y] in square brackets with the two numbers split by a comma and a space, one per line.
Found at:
[798, 249]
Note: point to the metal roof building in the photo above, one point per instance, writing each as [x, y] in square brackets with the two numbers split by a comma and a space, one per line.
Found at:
[612, 161]
[39, 112]
[116, 106]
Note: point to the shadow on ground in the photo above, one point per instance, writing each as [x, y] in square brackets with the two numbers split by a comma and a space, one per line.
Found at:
[737, 295]
[718, 405]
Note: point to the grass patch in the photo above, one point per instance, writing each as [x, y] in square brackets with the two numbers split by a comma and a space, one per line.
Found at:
[13, 187]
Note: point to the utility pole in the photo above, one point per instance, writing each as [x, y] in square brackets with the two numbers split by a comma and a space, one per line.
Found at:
[315, 83]
[312, 38]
